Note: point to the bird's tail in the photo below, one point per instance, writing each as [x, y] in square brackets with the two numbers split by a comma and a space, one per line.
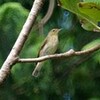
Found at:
[37, 69]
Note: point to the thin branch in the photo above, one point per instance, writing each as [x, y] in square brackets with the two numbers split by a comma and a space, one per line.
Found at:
[49, 12]
[88, 51]
[70, 53]
[47, 16]
[45, 19]
[28, 60]
[12, 57]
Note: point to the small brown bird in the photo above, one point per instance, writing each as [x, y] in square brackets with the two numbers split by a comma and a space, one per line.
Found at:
[49, 46]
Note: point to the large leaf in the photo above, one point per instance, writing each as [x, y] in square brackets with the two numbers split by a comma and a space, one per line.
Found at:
[90, 9]
[88, 22]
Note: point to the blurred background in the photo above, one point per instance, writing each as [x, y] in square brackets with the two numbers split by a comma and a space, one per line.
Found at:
[75, 78]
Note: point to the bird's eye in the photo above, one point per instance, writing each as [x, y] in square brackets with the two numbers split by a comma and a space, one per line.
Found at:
[53, 30]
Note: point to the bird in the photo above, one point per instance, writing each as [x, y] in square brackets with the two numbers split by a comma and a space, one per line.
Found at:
[48, 47]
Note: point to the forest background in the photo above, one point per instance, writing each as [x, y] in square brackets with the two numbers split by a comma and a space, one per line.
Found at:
[75, 78]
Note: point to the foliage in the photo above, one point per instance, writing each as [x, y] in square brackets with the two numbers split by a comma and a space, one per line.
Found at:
[85, 11]
[26, 3]
[12, 17]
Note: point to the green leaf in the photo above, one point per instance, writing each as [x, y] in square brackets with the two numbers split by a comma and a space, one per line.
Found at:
[92, 10]
[89, 23]
[92, 44]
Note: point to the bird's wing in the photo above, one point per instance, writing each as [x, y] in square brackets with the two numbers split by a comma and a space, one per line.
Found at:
[42, 46]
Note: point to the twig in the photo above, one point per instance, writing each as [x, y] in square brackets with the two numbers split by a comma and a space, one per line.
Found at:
[47, 16]
[12, 57]
[49, 12]
[45, 19]
[70, 53]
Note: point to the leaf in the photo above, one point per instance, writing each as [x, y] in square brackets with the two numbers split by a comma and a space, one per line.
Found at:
[92, 44]
[93, 11]
[93, 1]
[90, 23]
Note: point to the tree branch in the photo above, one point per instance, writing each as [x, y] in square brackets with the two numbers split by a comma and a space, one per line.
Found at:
[45, 19]
[12, 57]
[47, 16]
[70, 53]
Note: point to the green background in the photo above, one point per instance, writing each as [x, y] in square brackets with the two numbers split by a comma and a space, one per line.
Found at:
[75, 78]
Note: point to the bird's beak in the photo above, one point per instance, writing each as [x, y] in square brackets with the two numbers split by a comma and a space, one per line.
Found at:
[59, 29]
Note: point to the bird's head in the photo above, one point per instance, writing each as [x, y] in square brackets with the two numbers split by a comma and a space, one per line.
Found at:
[54, 31]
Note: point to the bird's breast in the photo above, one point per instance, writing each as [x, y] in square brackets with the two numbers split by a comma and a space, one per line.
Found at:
[51, 46]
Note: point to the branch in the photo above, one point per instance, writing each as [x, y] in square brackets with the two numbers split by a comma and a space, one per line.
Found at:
[47, 16]
[70, 53]
[45, 19]
[12, 57]
[49, 12]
